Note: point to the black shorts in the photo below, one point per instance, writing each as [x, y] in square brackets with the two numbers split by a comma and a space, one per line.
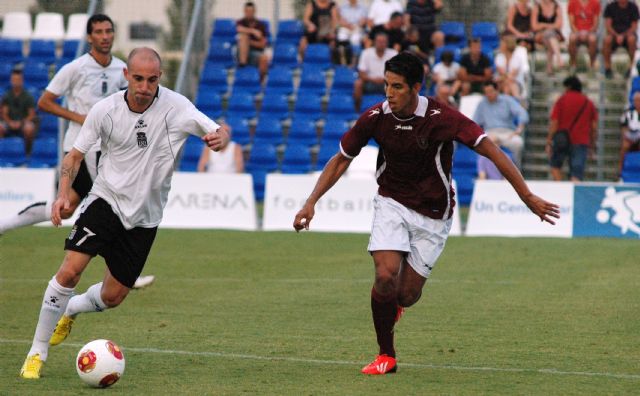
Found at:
[99, 231]
[83, 182]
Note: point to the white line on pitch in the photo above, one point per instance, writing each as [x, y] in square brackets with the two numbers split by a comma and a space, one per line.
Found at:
[352, 363]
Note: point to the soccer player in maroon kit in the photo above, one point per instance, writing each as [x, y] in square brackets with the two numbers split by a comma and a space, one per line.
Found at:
[415, 199]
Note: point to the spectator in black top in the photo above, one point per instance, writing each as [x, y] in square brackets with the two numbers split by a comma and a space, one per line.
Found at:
[422, 14]
[519, 23]
[320, 21]
[475, 69]
[252, 39]
[620, 22]
[393, 30]
[18, 112]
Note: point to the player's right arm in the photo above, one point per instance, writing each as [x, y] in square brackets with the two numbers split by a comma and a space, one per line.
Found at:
[47, 102]
[60, 85]
[68, 172]
[332, 172]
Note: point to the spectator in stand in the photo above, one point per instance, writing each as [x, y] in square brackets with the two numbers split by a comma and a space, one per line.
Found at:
[228, 160]
[380, 12]
[497, 114]
[519, 23]
[475, 69]
[446, 72]
[422, 15]
[18, 112]
[630, 126]
[546, 22]
[575, 113]
[583, 19]
[411, 43]
[371, 69]
[252, 40]
[320, 21]
[352, 19]
[620, 22]
[444, 94]
[487, 170]
[512, 67]
[392, 28]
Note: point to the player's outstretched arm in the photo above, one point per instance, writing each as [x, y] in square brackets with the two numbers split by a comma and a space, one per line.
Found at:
[334, 169]
[217, 140]
[68, 172]
[546, 211]
[47, 102]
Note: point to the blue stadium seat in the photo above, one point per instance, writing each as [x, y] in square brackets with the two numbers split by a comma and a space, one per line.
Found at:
[224, 31]
[334, 129]
[48, 125]
[10, 51]
[70, 48]
[275, 105]
[43, 51]
[36, 73]
[341, 104]
[454, 33]
[214, 78]
[303, 131]
[247, 79]
[210, 103]
[44, 153]
[241, 104]
[296, 159]
[343, 80]
[191, 154]
[220, 53]
[465, 171]
[631, 167]
[262, 160]
[319, 55]
[268, 131]
[488, 32]
[285, 54]
[5, 74]
[313, 79]
[12, 152]
[240, 132]
[279, 80]
[308, 104]
[325, 153]
[289, 31]
[267, 24]
[370, 100]
[457, 54]
[259, 177]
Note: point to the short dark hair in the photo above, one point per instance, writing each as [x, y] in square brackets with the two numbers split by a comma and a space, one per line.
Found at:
[95, 19]
[490, 83]
[407, 65]
[573, 83]
[250, 4]
[447, 56]
[17, 71]
[395, 14]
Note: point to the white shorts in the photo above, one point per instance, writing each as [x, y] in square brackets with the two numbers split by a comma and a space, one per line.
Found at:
[396, 227]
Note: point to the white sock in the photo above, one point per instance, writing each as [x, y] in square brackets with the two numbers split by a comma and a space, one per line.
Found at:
[32, 214]
[90, 301]
[54, 304]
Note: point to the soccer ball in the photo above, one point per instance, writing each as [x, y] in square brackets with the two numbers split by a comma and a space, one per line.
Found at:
[100, 363]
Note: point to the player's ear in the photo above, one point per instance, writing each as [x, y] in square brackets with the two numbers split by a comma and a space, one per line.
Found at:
[416, 88]
[125, 72]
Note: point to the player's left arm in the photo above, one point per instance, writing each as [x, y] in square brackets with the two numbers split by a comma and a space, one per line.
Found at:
[68, 172]
[546, 211]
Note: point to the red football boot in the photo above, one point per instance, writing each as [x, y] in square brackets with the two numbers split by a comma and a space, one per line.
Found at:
[383, 364]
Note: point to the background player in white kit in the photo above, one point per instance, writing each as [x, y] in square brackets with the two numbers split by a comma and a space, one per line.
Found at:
[84, 81]
[141, 131]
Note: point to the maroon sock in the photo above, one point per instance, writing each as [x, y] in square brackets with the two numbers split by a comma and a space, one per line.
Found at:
[383, 310]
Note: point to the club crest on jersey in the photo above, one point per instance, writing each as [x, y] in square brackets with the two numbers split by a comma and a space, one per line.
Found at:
[142, 139]
[423, 142]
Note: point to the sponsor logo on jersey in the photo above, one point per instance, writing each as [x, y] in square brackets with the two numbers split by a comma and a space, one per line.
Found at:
[142, 139]
[140, 124]
[404, 127]
[373, 112]
[435, 112]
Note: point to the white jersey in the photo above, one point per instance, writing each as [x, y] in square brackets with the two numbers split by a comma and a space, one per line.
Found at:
[84, 82]
[139, 152]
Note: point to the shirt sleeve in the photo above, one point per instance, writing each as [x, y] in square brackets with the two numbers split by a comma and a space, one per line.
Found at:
[196, 123]
[519, 112]
[467, 132]
[61, 83]
[358, 136]
[92, 127]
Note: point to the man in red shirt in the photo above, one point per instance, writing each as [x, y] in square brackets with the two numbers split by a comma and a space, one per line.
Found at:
[575, 113]
[415, 199]
[583, 19]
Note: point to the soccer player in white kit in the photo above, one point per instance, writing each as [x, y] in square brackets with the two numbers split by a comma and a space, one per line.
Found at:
[141, 131]
[415, 200]
[84, 81]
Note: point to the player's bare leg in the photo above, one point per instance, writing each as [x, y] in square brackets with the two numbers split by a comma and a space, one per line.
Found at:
[410, 285]
[37, 213]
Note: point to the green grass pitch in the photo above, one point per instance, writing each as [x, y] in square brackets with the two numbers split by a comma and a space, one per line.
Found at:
[286, 313]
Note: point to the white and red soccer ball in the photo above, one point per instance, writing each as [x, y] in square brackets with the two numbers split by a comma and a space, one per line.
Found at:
[100, 363]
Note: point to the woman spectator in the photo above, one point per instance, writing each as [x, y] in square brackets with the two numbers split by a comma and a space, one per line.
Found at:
[512, 66]
[519, 23]
[546, 22]
[320, 21]
[228, 160]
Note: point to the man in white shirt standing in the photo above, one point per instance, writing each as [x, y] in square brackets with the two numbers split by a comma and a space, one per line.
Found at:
[371, 69]
[141, 131]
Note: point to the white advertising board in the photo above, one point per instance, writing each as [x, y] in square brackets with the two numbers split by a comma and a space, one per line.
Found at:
[496, 210]
[205, 200]
[346, 207]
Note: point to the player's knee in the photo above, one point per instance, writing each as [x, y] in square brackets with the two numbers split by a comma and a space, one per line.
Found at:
[385, 282]
[67, 276]
[112, 300]
[407, 298]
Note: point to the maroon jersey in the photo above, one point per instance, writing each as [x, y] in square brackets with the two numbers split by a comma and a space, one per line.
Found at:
[415, 157]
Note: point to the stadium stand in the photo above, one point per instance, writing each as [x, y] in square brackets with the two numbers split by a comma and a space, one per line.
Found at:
[247, 79]
[220, 53]
[17, 25]
[285, 55]
[309, 104]
[10, 51]
[42, 51]
[341, 106]
[76, 27]
[489, 34]
[48, 26]
[70, 48]
[12, 152]
[224, 31]
[296, 159]
[303, 131]
[268, 132]
[44, 153]
[465, 171]
[289, 31]
[318, 55]
[279, 81]
[275, 104]
[261, 162]
[240, 132]
[313, 80]
[214, 78]
[343, 80]
[333, 130]
[48, 126]
[454, 33]
[457, 53]
[241, 104]
[191, 154]
[210, 103]
[324, 155]
[36, 73]
[631, 167]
